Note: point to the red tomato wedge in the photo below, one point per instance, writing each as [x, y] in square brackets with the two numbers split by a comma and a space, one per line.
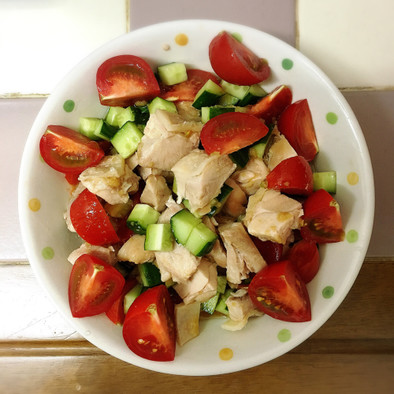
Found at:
[186, 91]
[231, 131]
[235, 63]
[279, 291]
[149, 329]
[93, 287]
[271, 106]
[116, 312]
[67, 151]
[322, 218]
[296, 125]
[123, 80]
[292, 176]
[305, 257]
[90, 220]
[271, 251]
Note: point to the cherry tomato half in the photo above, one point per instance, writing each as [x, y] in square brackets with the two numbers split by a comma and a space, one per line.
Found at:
[305, 257]
[279, 291]
[293, 176]
[90, 220]
[124, 79]
[93, 287]
[149, 329]
[67, 151]
[235, 63]
[231, 131]
[271, 106]
[296, 125]
[186, 91]
[322, 218]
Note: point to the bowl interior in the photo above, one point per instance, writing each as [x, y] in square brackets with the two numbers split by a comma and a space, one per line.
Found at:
[43, 195]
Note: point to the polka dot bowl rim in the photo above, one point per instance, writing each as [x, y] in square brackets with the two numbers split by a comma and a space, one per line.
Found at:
[342, 148]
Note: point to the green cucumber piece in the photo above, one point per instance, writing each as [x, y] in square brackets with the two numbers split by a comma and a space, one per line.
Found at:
[228, 99]
[149, 274]
[240, 157]
[254, 94]
[130, 297]
[208, 113]
[221, 305]
[118, 116]
[220, 200]
[210, 305]
[208, 95]
[127, 139]
[172, 73]
[90, 126]
[182, 224]
[201, 240]
[141, 217]
[159, 103]
[258, 148]
[222, 283]
[326, 180]
[237, 91]
[159, 237]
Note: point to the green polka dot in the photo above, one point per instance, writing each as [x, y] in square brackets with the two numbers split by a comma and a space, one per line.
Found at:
[68, 105]
[237, 36]
[48, 253]
[328, 292]
[287, 64]
[332, 117]
[284, 335]
[352, 236]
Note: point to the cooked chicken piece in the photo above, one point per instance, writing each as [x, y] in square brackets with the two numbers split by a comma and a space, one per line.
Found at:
[279, 150]
[132, 161]
[156, 192]
[235, 204]
[271, 215]
[199, 178]
[251, 176]
[187, 111]
[201, 286]
[111, 180]
[217, 254]
[133, 250]
[106, 254]
[178, 265]
[144, 172]
[187, 322]
[240, 308]
[171, 210]
[167, 138]
[243, 256]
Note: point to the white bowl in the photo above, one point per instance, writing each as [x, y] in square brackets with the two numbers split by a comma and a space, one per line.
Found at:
[343, 149]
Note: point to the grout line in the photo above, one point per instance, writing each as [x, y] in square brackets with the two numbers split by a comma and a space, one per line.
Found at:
[296, 25]
[23, 95]
[127, 16]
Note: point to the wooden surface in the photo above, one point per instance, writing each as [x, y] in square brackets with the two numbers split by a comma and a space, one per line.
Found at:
[352, 353]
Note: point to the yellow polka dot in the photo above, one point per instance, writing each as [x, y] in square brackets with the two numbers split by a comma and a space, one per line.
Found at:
[226, 354]
[34, 204]
[181, 39]
[352, 178]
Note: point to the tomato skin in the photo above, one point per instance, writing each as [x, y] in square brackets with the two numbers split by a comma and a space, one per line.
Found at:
[67, 151]
[235, 63]
[271, 251]
[296, 125]
[305, 257]
[271, 106]
[322, 218]
[293, 176]
[187, 90]
[279, 291]
[93, 287]
[116, 312]
[90, 220]
[231, 131]
[149, 329]
[123, 80]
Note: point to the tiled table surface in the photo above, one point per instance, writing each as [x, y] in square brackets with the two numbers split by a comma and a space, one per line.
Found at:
[41, 40]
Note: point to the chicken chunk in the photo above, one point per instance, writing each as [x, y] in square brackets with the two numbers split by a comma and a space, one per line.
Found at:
[217, 254]
[279, 150]
[187, 111]
[111, 179]
[171, 210]
[235, 204]
[187, 322]
[251, 176]
[156, 192]
[271, 216]
[201, 286]
[243, 256]
[167, 138]
[178, 265]
[106, 254]
[133, 250]
[199, 178]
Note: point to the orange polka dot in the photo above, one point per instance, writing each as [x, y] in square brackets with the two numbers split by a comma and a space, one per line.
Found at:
[352, 178]
[226, 354]
[34, 204]
[181, 39]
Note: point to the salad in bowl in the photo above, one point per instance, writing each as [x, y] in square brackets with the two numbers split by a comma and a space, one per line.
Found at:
[195, 199]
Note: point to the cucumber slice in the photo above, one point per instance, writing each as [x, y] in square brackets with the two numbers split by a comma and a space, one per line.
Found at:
[237, 91]
[208, 113]
[90, 126]
[221, 305]
[150, 274]
[222, 283]
[210, 305]
[201, 240]
[159, 103]
[220, 200]
[172, 73]
[228, 99]
[182, 224]
[240, 157]
[254, 94]
[159, 237]
[130, 297]
[258, 148]
[118, 116]
[141, 217]
[127, 139]
[208, 95]
[106, 132]
[326, 180]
